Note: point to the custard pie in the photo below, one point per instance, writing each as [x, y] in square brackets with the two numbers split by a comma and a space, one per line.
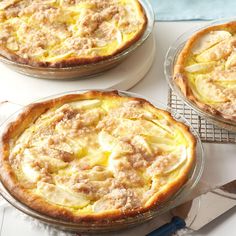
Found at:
[205, 70]
[62, 33]
[95, 156]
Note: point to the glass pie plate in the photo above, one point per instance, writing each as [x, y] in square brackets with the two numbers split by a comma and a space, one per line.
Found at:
[86, 70]
[114, 225]
[170, 60]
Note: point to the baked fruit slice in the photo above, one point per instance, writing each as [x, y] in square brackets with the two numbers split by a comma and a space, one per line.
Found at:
[205, 70]
[68, 32]
[95, 156]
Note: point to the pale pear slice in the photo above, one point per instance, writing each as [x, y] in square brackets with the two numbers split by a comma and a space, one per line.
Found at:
[141, 142]
[119, 37]
[231, 61]
[71, 146]
[106, 141]
[100, 175]
[217, 52]
[65, 185]
[174, 160]
[103, 204]
[153, 127]
[200, 67]
[13, 46]
[208, 90]
[120, 149]
[209, 40]
[58, 57]
[54, 164]
[85, 104]
[110, 32]
[30, 173]
[76, 147]
[162, 123]
[181, 154]
[59, 196]
[141, 127]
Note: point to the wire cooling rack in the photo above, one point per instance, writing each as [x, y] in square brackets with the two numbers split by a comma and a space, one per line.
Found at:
[208, 132]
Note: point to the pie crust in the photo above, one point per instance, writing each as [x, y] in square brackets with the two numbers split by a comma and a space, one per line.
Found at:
[205, 70]
[95, 157]
[68, 33]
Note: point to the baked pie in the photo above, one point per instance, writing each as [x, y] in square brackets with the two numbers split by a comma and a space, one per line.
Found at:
[61, 33]
[95, 156]
[205, 70]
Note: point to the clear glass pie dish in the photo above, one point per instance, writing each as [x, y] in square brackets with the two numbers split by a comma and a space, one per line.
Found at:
[170, 60]
[85, 70]
[113, 225]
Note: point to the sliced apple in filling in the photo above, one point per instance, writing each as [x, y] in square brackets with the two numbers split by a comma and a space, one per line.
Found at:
[165, 164]
[200, 67]
[231, 61]
[217, 52]
[106, 141]
[30, 173]
[209, 40]
[59, 196]
[54, 164]
[207, 91]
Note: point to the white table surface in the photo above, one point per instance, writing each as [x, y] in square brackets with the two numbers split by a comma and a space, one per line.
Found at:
[154, 86]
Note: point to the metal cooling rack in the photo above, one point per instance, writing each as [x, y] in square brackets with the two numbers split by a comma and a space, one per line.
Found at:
[208, 132]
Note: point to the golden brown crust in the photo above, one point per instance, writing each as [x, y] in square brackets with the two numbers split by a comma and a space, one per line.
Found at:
[37, 203]
[181, 79]
[77, 61]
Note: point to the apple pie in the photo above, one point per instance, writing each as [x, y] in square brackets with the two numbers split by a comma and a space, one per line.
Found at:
[62, 33]
[95, 156]
[205, 70]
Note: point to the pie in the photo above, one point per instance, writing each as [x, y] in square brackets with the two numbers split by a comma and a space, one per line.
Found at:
[205, 70]
[62, 33]
[95, 156]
